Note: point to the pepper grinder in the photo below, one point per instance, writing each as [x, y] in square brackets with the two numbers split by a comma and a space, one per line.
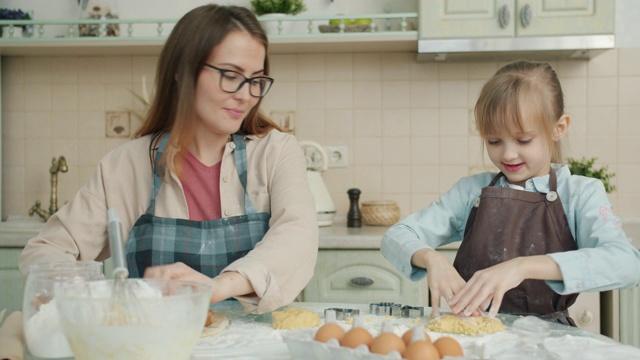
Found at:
[354, 219]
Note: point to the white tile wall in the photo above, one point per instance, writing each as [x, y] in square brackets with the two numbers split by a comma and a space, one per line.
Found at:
[408, 126]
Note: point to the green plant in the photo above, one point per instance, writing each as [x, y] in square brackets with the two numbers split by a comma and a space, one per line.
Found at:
[291, 7]
[8, 14]
[585, 167]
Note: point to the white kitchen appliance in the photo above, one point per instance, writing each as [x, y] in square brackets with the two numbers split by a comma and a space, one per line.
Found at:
[317, 164]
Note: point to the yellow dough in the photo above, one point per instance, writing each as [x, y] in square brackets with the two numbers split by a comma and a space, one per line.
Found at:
[474, 325]
[219, 323]
[294, 318]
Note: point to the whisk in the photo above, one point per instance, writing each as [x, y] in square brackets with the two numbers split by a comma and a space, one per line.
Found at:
[122, 308]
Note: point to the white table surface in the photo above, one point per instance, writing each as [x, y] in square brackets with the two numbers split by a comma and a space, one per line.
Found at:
[252, 336]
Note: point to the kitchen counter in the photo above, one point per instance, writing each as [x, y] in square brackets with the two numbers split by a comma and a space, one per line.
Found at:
[339, 236]
[17, 232]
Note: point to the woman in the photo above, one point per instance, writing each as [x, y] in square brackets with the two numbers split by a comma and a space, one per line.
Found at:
[210, 190]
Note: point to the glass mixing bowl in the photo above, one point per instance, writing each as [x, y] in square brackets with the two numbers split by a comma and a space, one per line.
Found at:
[43, 333]
[148, 318]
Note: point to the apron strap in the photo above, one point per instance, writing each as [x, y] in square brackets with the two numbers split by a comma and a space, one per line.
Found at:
[157, 180]
[553, 181]
[240, 156]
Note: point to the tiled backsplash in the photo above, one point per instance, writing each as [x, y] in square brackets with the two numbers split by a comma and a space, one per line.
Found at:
[408, 126]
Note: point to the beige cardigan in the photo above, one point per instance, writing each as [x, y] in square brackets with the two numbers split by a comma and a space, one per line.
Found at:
[279, 267]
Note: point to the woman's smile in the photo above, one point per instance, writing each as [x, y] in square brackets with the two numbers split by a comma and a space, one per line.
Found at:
[235, 113]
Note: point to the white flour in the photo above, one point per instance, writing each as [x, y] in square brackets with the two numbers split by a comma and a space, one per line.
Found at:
[44, 334]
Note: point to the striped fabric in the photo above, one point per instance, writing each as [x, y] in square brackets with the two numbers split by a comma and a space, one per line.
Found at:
[205, 246]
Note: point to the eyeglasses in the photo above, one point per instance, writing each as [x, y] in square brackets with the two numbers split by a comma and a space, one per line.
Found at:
[232, 81]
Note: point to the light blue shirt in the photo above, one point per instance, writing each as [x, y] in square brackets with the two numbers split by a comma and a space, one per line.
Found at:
[605, 258]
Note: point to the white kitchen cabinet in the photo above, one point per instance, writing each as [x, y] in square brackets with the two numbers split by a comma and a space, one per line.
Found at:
[11, 283]
[360, 276]
[453, 19]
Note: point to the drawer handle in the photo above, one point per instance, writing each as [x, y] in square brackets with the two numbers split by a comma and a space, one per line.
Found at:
[586, 317]
[361, 281]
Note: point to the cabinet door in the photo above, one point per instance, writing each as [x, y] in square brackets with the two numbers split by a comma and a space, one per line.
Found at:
[11, 283]
[360, 276]
[630, 316]
[568, 17]
[446, 19]
[586, 311]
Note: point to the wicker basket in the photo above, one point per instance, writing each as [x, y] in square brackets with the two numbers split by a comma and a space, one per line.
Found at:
[380, 212]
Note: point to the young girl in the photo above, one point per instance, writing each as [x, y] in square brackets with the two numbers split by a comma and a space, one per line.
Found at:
[533, 235]
[210, 190]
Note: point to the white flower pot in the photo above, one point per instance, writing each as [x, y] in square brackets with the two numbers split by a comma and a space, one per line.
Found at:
[276, 27]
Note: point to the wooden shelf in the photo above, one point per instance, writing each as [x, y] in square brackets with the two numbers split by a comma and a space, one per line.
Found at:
[401, 37]
[325, 43]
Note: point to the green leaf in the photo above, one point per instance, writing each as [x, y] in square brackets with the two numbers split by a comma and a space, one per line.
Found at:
[585, 167]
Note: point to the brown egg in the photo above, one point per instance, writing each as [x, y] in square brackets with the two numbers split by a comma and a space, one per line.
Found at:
[406, 337]
[421, 350]
[356, 337]
[386, 342]
[448, 346]
[329, 331]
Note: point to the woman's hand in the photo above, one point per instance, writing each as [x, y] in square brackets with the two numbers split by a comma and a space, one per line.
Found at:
[489, 285]
[442, 277]
[224, 286]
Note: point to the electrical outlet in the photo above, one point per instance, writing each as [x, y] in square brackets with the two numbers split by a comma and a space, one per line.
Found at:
[285, 119]
[118, 124]
[337, 156]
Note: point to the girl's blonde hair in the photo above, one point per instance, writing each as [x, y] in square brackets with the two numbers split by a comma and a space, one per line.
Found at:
[186, 50]
[518, 91]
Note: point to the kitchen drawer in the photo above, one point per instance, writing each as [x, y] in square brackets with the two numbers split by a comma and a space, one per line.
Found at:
[360, 276]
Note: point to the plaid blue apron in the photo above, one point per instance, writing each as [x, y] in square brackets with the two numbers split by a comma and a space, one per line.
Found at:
[206, 246]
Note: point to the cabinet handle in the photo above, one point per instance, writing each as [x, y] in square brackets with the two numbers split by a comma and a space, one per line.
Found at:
[361, 281]
[586, 317]
[504, 15]
[526, 15]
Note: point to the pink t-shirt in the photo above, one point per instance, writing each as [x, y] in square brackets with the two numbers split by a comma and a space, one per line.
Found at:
[201, 186]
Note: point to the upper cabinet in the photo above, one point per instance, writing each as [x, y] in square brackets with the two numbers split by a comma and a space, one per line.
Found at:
[494, 26]
[506, 18]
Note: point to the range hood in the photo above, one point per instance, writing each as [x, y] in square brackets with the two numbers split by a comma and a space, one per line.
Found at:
[579, 47]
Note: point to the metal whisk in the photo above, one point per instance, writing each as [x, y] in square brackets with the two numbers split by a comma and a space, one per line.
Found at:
[122, 309]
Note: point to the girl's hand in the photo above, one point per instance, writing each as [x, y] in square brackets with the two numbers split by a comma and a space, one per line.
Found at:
[442, 277]
[488, 286]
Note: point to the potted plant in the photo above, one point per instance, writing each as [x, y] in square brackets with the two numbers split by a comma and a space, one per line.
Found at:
[8, 14]
[288, 7]
[585, 167]
[277, 8]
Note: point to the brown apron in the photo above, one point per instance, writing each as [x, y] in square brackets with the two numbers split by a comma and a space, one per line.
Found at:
[506, 223]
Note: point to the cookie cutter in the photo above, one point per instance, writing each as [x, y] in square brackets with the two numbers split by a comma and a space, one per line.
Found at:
[392, 309]
[385, 309]
[343, 313]
[412, 311]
